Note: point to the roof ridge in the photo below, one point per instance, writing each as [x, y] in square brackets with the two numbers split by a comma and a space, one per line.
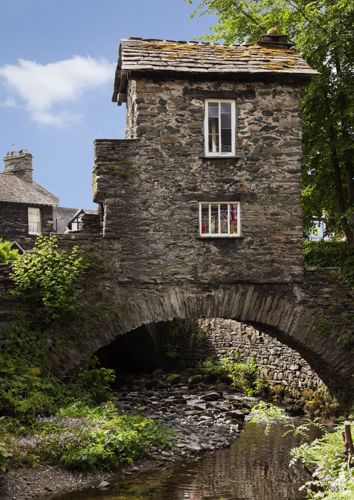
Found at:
[192, 42]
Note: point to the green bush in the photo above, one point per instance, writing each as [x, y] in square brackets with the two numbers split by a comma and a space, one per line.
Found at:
[85, 438]
[27, 385]
[27, 389]
[4, 456]
[331, 254]
[332, 476]
[7, 253]
[242, 376]
[94, 383]
[48, 279]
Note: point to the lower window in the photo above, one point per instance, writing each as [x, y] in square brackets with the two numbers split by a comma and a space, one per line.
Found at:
[219, 219]
[34, 221]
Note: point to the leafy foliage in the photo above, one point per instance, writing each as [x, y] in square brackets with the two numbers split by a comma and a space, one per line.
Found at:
[243, 376]
[332, 477]
[331, 254]
[267, 413]
[264, 412]
[85, 438]
[4, 456]
[305, 429]
[27, 385]
[48, 279]
[7, 253]
[322, 32]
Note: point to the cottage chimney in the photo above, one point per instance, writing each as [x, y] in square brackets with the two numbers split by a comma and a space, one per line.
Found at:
[19, 163]
[273, 39]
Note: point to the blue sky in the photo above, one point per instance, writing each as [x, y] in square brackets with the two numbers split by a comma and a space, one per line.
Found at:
[56, 78]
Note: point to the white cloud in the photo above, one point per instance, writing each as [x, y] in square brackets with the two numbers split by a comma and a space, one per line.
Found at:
[9, 102]
[43, 88]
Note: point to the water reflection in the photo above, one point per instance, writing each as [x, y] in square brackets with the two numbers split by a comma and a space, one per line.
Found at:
[254, 468]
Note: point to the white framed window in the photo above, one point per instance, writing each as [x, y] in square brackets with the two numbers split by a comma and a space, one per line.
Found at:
[220, 219]
[34, 221]
[220, 127]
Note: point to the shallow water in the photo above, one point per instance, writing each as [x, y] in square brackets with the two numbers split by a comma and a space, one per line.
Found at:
[255, 467]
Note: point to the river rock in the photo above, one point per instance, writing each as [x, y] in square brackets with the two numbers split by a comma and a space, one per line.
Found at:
[211, 396]
[236, 415]
[195, 379]
[103, 485]
[173, 378]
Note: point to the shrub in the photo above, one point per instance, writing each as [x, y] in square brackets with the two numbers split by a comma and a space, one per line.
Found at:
[7, 253]
[94, 382]
[331, 475]
[4, 456]
[242, 376]
[84, 438]
[48, 279]
[28, 387]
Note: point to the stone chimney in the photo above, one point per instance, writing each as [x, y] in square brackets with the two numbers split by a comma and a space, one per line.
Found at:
[19, 163]
[273, 39]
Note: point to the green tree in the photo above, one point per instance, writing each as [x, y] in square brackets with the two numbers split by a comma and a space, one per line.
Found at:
[322, 31]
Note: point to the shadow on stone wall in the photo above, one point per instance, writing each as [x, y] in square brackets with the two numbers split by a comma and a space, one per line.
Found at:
[181, 344]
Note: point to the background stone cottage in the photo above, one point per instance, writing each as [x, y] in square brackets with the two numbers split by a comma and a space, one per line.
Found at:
[26, 208]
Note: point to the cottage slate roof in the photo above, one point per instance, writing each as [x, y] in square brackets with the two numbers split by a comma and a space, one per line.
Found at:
[62, 216]
[146, 55]
[16, 190]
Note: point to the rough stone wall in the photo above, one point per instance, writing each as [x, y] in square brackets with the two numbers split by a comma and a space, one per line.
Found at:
[279, 363]
[90, 223]
[150, 185]
[14, 223]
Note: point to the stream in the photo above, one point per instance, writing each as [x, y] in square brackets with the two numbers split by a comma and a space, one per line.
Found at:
[254, 467]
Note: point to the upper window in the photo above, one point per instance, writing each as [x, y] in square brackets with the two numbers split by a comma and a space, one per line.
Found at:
[219, 219]
[219, 127]
[34, 221]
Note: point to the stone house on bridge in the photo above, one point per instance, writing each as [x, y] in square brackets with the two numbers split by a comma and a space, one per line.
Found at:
[206, 185]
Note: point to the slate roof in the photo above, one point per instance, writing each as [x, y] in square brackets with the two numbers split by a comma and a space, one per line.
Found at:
[83, 211]
[62, 216]
[145, 55]
[16, 190]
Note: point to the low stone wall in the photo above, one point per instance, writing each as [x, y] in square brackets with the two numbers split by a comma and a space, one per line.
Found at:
[279, 363]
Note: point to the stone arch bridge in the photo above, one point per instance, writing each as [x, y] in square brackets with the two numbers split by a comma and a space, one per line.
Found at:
[312, 315]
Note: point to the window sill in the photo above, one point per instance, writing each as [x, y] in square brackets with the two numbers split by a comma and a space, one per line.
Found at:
[231, 157]
[219, 237]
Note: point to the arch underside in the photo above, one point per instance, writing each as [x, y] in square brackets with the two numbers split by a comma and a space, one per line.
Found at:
[279, 311]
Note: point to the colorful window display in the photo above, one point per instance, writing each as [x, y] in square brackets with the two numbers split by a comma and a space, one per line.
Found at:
[219, 219]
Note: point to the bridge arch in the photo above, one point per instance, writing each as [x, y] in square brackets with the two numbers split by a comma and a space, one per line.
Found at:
[279, 311]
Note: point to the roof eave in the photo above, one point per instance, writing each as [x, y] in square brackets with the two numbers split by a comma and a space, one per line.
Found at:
[120, 80]
[300, 77]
